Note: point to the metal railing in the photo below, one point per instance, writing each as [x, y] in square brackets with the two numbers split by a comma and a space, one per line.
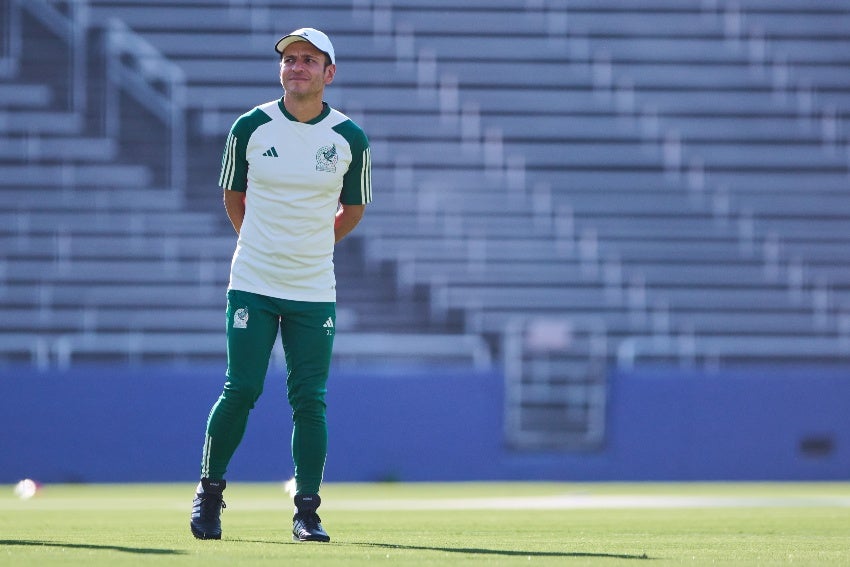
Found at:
[138, 69]
[133, 67]
[10, 38]
[69, 20]
[710, 353]
[555, 383]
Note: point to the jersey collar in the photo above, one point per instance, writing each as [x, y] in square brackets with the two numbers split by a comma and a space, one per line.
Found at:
[326, 109]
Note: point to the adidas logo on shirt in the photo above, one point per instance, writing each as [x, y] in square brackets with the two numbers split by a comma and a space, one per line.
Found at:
[329, 324]
[271, 152]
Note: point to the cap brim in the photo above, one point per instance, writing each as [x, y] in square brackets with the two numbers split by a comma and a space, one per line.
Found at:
[288, 40]
[285, 41]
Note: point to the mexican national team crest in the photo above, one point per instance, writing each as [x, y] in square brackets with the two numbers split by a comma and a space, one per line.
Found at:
[240, 318]
[326, 158]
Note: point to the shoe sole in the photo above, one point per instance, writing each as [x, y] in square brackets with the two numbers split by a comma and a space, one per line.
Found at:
[203, 535]
[297, 539]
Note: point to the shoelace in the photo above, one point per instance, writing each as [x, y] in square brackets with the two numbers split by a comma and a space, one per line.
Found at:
[211, 504]
[311, 520]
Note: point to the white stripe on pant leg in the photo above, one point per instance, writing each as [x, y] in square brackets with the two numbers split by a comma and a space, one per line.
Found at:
[205, 461]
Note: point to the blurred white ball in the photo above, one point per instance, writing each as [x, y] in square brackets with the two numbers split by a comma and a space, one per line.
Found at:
[289, 486]
[26, 489]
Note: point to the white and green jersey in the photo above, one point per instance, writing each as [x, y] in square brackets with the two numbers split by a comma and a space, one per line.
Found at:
[294, 173]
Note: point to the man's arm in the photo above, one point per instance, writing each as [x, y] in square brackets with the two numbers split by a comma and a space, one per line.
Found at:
[234, 204]
[346, 219]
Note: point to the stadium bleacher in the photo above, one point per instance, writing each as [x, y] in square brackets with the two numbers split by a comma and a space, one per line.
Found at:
[678, 169]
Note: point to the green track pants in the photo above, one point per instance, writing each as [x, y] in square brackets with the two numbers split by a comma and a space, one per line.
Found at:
[307, 334]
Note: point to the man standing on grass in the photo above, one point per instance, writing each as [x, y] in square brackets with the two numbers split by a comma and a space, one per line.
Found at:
[296, 175]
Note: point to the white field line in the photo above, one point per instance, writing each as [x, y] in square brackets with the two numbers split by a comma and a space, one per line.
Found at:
[577, 502]
[552, 502]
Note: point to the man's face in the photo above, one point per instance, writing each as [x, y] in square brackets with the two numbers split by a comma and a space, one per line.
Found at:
[302, 70]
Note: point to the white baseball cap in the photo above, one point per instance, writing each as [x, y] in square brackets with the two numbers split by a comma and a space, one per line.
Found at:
[314, 36]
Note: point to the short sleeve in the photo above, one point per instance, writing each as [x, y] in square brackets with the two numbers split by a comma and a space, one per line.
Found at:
[234, 161]
[357, 181]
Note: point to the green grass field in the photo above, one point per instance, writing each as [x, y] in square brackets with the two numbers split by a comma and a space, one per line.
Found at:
[438, 524]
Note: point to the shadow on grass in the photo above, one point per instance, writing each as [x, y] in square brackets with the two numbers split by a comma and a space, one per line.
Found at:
[507, 552]
[139, 550]
[473, 550]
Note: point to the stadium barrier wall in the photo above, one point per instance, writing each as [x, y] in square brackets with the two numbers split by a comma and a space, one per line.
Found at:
[117, 424]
